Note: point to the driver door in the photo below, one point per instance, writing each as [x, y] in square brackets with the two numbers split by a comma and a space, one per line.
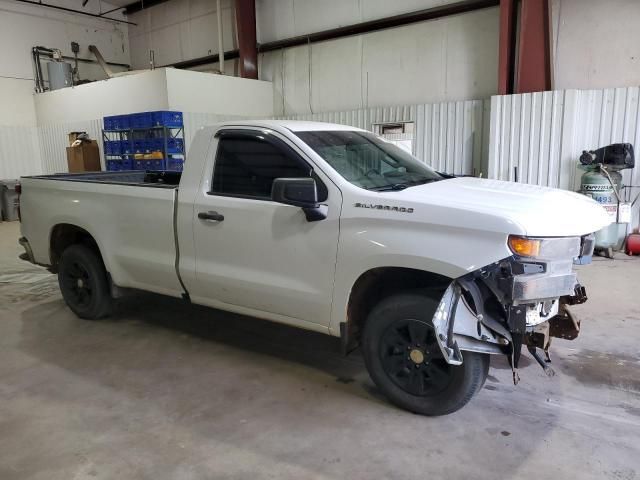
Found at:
[257, 256]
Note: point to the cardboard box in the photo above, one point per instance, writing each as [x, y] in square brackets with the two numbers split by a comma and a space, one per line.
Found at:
[73, 136]
[84, 158]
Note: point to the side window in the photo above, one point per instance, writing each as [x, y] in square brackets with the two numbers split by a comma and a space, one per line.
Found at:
[246, 167]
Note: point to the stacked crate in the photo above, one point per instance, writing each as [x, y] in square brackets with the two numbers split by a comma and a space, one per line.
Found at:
[144, 141]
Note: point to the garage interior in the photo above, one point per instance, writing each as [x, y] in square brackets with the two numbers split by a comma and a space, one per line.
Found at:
[512, 90]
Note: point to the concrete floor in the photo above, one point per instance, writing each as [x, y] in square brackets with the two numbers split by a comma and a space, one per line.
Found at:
[165, 390]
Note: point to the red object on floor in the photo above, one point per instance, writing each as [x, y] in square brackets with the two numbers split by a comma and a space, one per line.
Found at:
[633, 244]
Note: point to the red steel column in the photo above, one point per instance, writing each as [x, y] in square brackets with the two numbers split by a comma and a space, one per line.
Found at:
[247, 41]
[506, 47]
[533, 72]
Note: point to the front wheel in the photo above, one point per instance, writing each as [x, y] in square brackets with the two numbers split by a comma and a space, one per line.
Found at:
[83, 282]
[404, 360]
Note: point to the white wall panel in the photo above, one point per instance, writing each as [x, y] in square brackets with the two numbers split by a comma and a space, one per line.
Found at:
[54, 140]
[140, 92]
[543, 134]
[448, 136]
[180, 30]
[189, 91]
[581, 59]
[19, 152]
[447, 59]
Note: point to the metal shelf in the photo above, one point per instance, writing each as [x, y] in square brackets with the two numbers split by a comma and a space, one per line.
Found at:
[138, 134]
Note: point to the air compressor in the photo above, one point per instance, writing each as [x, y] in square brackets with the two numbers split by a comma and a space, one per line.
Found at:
[602, 181]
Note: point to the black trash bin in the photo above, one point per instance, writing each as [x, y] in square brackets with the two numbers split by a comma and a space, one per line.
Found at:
[9, 203]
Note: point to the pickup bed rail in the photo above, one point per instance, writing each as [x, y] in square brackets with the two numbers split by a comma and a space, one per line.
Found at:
[136, 178]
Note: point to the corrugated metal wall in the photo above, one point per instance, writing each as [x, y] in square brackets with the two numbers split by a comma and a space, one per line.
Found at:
[19, 152]
[543, 134]
[448, 136]
[54, 140]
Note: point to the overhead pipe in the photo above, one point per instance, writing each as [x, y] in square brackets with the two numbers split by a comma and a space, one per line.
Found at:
[110, 11]
[196, 62]
[220, 37]
[101, 61]
[71, 10]
[350, 30]
[35, 54]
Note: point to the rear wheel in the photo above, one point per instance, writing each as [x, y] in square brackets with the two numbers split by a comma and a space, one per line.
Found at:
[404, 360]
[83, 282]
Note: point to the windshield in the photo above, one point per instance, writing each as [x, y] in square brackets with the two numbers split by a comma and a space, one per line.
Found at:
[368, 161]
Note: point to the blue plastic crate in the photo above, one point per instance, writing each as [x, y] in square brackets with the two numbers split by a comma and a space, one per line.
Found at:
[155, 144]
[112, 147]
[109, 123]
[119, 165]
[113, 165]
[141, 120]
[175, 164]
[148, 164]
[117, 122]
[165, 118]
[140, 164]
[123, 122]
[175, 145]
[126, 147]
[141, 145]
[126, 164]
[157, 165]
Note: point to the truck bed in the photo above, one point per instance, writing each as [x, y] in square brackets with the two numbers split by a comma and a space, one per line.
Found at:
[133, 226]
[159, 179]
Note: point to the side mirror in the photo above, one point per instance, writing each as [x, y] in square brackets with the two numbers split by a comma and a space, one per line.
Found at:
[299, 192]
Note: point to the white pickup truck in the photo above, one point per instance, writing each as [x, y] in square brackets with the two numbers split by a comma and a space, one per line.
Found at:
[329, 228]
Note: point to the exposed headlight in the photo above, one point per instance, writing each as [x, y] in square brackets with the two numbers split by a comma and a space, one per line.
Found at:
[560, 248]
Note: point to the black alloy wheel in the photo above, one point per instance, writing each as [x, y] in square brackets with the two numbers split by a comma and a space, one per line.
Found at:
[411, 357]
[405, 362]
[84, 282]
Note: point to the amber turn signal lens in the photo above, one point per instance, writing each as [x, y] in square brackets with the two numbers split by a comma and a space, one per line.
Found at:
[526, 247]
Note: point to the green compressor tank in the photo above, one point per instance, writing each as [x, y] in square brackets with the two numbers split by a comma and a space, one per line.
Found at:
[595, 184]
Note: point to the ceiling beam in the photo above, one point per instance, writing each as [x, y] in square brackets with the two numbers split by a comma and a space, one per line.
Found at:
[71, 10]
[141, 5]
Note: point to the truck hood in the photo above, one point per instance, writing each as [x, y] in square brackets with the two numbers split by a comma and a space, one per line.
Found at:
[538, 211]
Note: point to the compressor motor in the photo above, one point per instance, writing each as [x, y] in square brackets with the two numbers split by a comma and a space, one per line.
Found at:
[615, 156]
[602, 181]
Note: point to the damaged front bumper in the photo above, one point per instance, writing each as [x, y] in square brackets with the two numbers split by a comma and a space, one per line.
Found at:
[515, 302]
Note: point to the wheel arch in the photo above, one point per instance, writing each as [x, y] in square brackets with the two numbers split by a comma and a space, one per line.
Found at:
[63, 235]
[378, 283]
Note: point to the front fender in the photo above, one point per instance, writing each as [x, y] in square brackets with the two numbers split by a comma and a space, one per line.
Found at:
[367, 243]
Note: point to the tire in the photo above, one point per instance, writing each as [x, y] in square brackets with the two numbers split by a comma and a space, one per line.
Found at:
[403, 358]
[83, 283]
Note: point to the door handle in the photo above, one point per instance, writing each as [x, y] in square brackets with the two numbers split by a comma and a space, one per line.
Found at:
[214, 216]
